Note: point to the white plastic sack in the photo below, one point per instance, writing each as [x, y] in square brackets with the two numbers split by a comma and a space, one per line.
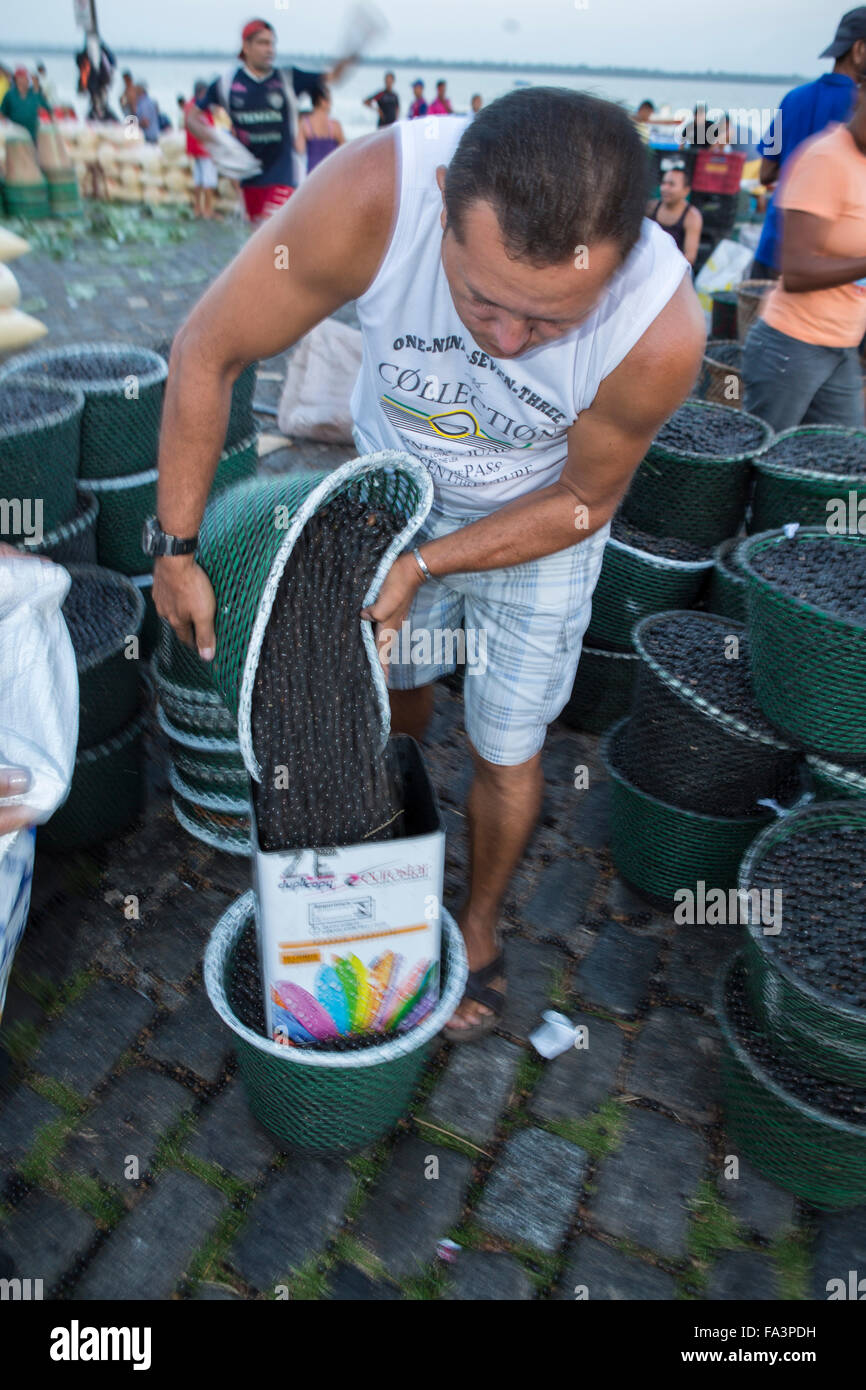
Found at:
[38, 722]
[228, 154]
[726, 267]
[323, 369]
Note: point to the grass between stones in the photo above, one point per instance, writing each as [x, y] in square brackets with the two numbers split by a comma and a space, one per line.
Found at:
[598, 1134]
[790, 1255]
[21, 1040]
[209, 1264]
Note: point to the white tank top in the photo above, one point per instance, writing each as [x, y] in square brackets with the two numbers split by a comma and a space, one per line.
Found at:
[487, 431]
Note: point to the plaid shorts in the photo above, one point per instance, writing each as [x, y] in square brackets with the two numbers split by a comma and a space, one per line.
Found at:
[522, 633]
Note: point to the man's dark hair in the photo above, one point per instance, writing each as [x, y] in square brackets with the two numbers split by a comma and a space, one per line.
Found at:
[680, 169]
[561, 169]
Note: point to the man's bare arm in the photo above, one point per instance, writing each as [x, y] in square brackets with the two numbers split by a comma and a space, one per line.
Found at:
[805, 262]
[298, 268]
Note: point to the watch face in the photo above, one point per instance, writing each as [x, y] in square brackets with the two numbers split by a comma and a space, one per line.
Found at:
[149, 536]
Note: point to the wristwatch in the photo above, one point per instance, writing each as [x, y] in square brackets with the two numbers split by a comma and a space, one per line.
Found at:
[155, 541]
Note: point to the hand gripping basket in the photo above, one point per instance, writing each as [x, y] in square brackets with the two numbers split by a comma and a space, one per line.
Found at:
[660, 848]
[123, 388]
[788, 491]
[326, 1102]
[808, 665]
[793, 1142]
[812, 1025]
[695, 496]
[247, 535]
[634, 583]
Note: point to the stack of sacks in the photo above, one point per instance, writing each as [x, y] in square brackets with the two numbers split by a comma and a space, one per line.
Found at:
[56, 164]
[131, 170]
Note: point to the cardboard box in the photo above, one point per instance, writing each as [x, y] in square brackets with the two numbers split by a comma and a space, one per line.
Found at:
[350, 937]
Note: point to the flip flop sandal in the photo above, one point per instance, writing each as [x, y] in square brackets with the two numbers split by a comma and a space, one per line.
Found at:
[479, 989]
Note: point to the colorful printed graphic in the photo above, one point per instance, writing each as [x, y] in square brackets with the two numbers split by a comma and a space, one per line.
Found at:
[354, 998]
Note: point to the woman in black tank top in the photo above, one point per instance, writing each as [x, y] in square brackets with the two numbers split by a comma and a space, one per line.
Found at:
[679, 219]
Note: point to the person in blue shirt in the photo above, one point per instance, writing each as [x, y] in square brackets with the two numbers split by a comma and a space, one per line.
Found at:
[806, 111]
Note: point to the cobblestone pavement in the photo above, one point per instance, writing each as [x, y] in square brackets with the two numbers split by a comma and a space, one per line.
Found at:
[131, 1167]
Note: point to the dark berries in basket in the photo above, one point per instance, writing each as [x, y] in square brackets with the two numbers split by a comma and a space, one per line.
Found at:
[694, 648]
[843, 1101]
[829, 573]
[98, 610]
[24, 405]
[823, 451]
[822, 876]
[83, 368]
[710, 431]
[667, 547]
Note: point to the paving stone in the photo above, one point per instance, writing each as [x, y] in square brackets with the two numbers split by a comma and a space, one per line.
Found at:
[131, 1118]
[760, 1205]
[607, 1274]
[743, 1275]
[478, 1275]
[229, 1134]
[353, 1285]
[615, 975]
[558, 907]
[44, 1237]
[840, 1247]
[575, 1083]
[90, 1035]
[477, 1083]
[64, 939]
[193, 1037]
[409, 1213]
[623, 901]
[696, 957]
[293, 1218]
[20, 1007]
[21, 1119]
[149, 1251]
[533, 1189]
[216, 1293]
[675, 1063]
[642, 1189]
[589, 826]
[531, 970]
[164, 945]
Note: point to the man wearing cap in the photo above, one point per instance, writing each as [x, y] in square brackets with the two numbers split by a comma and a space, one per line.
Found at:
[419, 105]
[261, 102]
[806, 111]
[22, 103]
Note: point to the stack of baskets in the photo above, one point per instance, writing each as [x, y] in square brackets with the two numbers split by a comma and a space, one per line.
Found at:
[210, 789]
[694, 761]
[813, 474]
[104, 613]
[792, 1008]
[688, 495]
[40, 429]
[24, 187]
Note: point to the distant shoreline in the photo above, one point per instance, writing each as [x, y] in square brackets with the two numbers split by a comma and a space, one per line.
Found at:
[464, 64]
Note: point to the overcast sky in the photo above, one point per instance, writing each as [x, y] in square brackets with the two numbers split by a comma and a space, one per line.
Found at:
[738, 35]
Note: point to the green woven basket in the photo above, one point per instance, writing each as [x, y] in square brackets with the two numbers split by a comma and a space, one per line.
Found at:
[205, 773]
[194, 711]
[242, 422]
[802, 1149]
[784, 493]
[28, 200]
[63, 194]
[602, 691]
[109, 688]
[123, 387]
[106, 794]
[246, 537]
[125, 503]
[181, 665]
[322, 1102]
[821, 1034]
[39, 458]
[237, 465]
[223, 830]
[726, 587]
[832, 780]
[659, 848]
[73, 542]
[632, 584]
[693, 497]
[808, 667]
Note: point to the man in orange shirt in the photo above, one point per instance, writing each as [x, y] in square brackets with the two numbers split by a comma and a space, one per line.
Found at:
[801, 364]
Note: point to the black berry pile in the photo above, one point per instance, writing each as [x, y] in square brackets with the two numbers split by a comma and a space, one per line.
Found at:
[829, 573]
[97, 611]
[84, 367]
[822, 878]
[691, 648]
[729, 354]
[666, 547]
[842, 1101]
[315, 711]
[827, 451]
[710, 431]
[19, 405]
